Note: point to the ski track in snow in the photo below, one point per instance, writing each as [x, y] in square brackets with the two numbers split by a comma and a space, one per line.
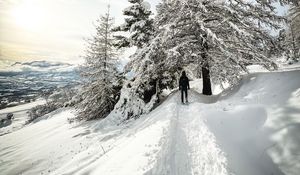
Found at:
[189, 147]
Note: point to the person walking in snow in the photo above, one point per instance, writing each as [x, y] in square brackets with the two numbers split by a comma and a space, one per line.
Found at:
[184, 85]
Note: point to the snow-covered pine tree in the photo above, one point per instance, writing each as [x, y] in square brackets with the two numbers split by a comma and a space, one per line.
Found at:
[282, 2]
[142, 93]
[289, 38]
[101, 80]
[138, 24]
[138, 29]
[293, 32]
[221, 36]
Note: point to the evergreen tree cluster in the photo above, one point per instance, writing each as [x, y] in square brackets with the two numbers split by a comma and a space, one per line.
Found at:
[218, 38]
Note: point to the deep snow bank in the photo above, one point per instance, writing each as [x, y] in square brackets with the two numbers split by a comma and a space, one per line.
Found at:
[257, 124]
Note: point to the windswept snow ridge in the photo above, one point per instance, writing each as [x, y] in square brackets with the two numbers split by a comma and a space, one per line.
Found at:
[251, 129]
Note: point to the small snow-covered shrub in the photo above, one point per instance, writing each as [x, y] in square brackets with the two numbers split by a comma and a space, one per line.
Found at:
[41, 110]
[130, 105]
[63, 97]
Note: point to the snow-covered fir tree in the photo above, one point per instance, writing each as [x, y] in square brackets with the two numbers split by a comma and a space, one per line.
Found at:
[138, 29]
[221, 36]
[289, 2]
[289, 38]
[138, 23]
[139, 95]
[101, 80]
[293, 32]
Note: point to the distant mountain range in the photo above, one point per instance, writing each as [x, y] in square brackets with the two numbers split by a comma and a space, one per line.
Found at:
[42, 64]
[36, 66]
[26, 81]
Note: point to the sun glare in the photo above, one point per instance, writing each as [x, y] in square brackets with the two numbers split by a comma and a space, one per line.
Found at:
[28, 15]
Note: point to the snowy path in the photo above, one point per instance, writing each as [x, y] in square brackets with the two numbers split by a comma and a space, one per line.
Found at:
[206, 157]
[189, 147]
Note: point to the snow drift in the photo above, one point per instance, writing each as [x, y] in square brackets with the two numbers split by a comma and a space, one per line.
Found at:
[252, 128]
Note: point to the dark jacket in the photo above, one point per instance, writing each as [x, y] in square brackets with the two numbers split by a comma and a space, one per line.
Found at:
[184, 83]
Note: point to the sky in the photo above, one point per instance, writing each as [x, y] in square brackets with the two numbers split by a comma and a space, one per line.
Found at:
[53, 30]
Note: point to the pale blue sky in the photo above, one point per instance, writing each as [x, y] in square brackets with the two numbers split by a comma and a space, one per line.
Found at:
[51, 29]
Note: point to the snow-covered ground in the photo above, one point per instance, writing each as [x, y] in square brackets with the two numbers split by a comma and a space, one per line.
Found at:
[20, 116]
[250, 129]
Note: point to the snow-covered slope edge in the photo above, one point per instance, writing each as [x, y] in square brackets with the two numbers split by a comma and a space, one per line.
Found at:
[251, 129]
[257, 123]
[20, 116]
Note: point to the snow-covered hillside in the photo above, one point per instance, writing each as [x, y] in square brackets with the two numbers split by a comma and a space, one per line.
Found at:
[27, 81]
[20, 116]
[251, 129]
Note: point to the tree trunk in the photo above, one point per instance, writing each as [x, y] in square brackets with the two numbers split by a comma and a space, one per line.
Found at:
[206, 80]
[293, 43]
[205, 69]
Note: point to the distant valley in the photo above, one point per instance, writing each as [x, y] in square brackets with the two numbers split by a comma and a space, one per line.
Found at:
[27, 81]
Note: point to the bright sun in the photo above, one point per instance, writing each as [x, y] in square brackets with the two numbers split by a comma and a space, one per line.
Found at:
[28, 15]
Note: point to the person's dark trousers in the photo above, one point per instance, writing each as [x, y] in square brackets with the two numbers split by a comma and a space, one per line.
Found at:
[184, 91]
